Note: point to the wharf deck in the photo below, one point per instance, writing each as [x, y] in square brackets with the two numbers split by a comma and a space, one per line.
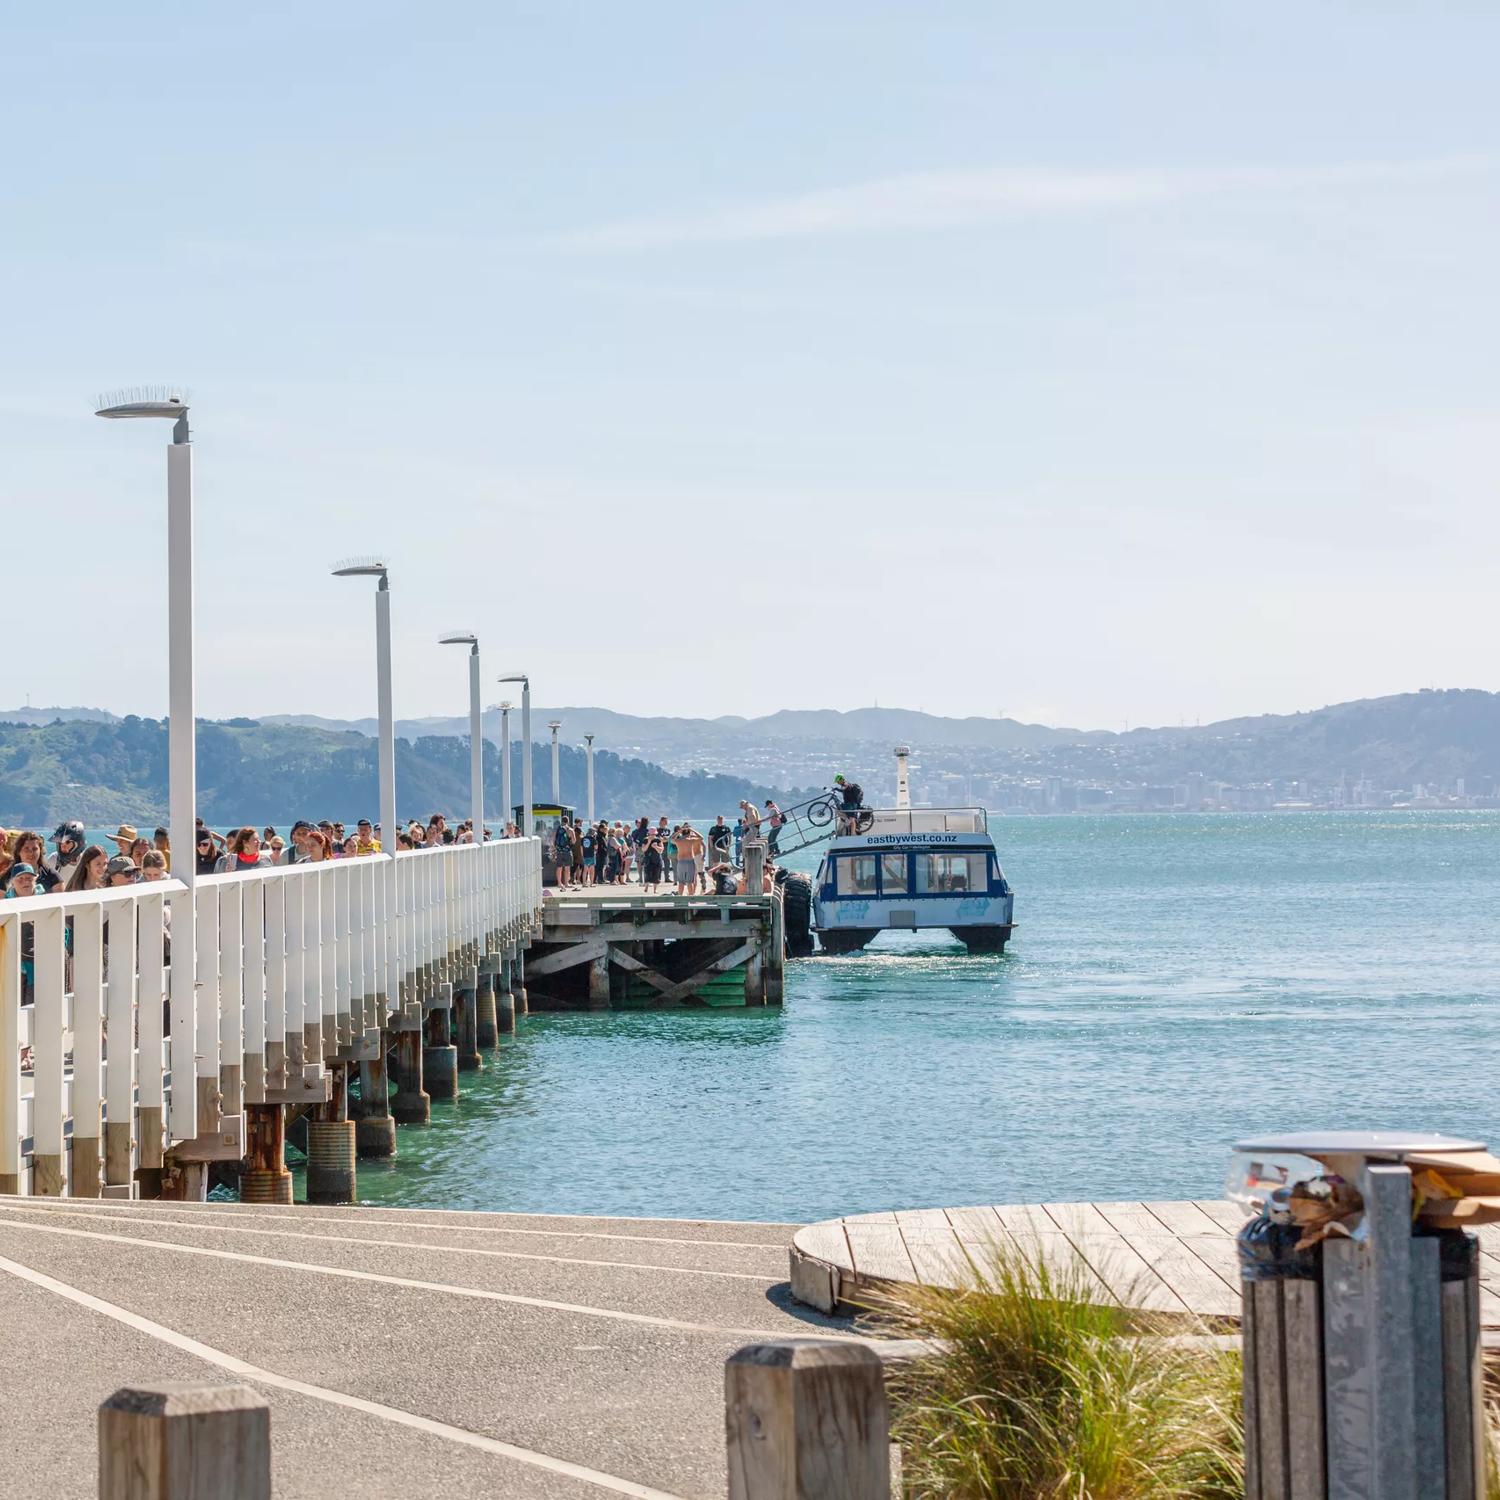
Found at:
[404, 1353]
[1175, 1258]
[618, 947]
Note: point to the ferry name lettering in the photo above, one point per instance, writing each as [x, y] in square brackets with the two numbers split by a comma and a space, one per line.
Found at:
[914, 838]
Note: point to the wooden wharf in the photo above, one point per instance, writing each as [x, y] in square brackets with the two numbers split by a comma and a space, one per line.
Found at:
[615, 947]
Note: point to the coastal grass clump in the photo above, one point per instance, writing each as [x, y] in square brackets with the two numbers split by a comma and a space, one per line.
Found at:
[1035, 1392]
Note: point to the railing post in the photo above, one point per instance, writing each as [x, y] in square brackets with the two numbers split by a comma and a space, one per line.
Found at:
[181, 1441]
[807, 1419]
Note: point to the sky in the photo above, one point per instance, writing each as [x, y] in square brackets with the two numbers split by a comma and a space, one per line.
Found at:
[1091, 364]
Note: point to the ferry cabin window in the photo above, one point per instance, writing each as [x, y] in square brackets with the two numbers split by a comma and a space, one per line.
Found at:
[951, 874]
[893, 881]
[855, 875]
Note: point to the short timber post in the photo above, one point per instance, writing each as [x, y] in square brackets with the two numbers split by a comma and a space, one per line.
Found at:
[265, 1178]
[330, 1144]
[755, 866]
[807, 1419]
[439, 1055]
[412, 1104]
[775, 953]
[375, 1130]
[486, 1028]
[755, 874]
[182, 1441]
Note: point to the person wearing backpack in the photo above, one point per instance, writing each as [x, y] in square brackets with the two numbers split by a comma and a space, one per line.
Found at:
[853, 799]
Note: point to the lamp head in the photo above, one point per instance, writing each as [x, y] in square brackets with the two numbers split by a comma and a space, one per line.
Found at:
[459, 638]
[147, 401]
[362, 567]
[515, 677]
[554, 725]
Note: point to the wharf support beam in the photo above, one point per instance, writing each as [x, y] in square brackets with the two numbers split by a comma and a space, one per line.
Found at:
[374, 1128]
[486, 1020]
[439, 1055]
[330, 1145]
[264, 1177]
[629, 950]
[412, 1104]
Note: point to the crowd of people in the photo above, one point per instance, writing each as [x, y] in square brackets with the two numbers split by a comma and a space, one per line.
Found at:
[29, 868]
[664, 858]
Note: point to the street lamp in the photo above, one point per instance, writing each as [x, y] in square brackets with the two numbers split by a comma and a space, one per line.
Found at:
[181, 750]
[525, 681]
[476, 731]
[504, 707]
[588, 740]
[554, 725]
[374, 567]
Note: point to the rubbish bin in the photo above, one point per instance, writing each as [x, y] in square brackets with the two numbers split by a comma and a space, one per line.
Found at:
[1362, 1376]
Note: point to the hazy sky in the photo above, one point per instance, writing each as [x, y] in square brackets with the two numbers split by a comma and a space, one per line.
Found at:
[1088, 362]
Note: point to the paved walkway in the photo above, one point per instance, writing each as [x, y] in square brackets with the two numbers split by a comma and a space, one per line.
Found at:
[404, 1353]
[1169, 1257]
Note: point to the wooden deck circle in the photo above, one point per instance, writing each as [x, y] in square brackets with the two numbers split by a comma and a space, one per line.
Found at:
[1176, 1258]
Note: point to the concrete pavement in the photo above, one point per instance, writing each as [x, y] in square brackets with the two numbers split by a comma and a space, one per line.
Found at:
[404, 1353]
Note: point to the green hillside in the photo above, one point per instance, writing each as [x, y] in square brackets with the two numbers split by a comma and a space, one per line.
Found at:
[260, 773]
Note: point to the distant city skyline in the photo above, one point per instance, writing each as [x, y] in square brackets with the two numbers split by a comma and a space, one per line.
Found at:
[571, 731]
[1128, 365]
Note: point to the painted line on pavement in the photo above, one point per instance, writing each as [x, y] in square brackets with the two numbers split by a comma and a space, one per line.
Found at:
[331, 1239]
[359, 1215]
[479, 1294]
[396, 1414]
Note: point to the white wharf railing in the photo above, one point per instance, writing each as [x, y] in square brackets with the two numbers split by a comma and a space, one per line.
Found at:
[297, 967]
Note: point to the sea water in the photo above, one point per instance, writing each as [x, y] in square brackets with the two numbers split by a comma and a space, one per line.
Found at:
[1174, 982]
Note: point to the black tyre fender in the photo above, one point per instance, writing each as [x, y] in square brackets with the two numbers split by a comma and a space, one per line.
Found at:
[796, 914]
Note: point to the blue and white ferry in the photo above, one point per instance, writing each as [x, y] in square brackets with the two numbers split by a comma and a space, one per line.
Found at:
[909, 869]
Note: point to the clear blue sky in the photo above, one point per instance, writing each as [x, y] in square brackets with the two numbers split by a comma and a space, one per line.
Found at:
[1090, 362]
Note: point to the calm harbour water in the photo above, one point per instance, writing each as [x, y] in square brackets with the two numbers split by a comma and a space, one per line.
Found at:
[1174, 982]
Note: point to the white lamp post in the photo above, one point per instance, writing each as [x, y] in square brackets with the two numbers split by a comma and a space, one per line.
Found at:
[505, 760]
[373, 567]
[476, 731]
[588, 740]
[554, 725]
[181, 751]
[526, 825]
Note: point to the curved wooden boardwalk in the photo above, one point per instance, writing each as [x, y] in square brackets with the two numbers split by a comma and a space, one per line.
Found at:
[1175, 1258]
[404, 1353]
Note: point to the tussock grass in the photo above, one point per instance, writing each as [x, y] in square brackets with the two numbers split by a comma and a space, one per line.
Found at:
[1038, 1393]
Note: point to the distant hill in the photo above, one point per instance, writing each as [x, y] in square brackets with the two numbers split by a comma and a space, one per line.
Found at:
[254, 772]
[683, 738]
[30, 715]
[1427, 736]
[100, 768]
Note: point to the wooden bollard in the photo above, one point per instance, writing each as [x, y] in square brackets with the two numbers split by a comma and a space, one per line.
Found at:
[185, 1441]
[807, 1419]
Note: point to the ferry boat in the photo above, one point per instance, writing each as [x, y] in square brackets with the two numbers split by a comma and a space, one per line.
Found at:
[910, 869]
